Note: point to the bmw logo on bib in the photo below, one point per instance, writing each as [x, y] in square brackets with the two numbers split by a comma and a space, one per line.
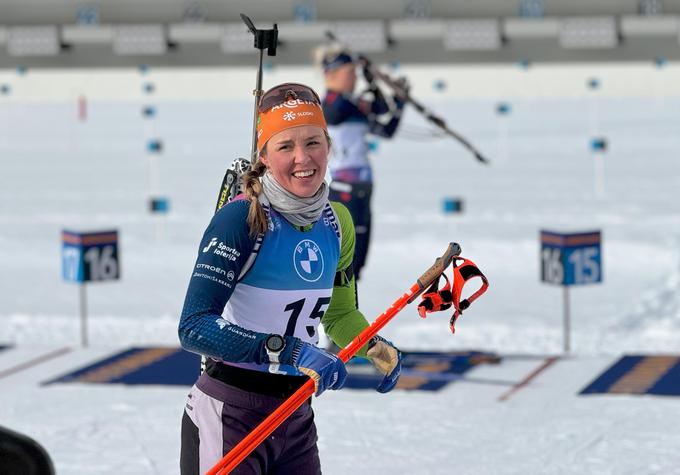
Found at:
[308, 260]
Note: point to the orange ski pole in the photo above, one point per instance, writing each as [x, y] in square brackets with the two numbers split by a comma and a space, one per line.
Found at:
[249, 443]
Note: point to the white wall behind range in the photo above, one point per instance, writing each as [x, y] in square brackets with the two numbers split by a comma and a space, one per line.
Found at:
[638, 80]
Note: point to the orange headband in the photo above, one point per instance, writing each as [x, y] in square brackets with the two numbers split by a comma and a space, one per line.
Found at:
[292, 113]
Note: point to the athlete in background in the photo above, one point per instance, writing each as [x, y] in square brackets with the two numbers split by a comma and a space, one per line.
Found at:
[272, 265]
[351, 119]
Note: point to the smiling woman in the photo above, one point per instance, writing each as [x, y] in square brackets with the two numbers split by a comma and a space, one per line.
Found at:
[293, 146]
[297, 159]
[260, 330]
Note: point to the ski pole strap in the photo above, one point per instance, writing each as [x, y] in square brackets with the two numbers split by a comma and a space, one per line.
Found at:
[436, 299]
[461, 274]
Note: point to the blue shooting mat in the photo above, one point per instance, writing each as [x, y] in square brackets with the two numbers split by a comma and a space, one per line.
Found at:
[158, 365]
[428, 371]
[421, 370]
[639, 374]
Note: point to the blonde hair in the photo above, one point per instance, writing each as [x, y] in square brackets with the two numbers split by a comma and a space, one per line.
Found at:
[324, 51]
[252, 187]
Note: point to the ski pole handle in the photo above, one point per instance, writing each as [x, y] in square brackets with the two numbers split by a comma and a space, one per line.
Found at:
[250, 442]
[437, 269]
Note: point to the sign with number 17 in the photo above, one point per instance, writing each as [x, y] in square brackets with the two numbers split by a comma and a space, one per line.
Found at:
[90, 257]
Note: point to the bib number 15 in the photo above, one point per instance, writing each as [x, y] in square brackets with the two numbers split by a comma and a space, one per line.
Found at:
[296, 310]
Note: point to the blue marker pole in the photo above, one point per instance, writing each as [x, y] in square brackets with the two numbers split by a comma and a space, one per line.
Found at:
[660, 64]
[598, 148]
[5, 91]
[593, 85]
[503, 113]
[154, 148]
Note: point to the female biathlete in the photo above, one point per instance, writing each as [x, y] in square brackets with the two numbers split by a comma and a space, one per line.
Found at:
[272, 265]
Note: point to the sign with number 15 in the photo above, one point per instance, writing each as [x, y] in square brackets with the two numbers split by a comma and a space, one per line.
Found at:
[571, 259]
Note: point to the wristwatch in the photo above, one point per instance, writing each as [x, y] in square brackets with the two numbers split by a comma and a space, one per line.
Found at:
[274, 345]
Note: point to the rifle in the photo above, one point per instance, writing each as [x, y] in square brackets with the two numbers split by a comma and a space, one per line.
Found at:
[400, 90]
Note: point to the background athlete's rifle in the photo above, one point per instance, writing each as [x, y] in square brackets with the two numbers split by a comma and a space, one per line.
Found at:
[402, 91]
[231, 186]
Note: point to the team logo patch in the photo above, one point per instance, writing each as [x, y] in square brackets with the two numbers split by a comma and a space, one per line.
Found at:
[308, 260]
[213, 242]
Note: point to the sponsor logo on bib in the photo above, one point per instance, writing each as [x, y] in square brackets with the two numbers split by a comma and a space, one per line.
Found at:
[308, 260]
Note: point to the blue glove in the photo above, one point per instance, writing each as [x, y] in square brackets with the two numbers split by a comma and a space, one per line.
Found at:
[326, 369]
[387, 359]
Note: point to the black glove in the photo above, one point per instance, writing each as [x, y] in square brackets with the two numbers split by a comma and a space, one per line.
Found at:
[368, 74]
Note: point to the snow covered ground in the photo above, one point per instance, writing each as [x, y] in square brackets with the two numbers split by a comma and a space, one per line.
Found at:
[56, 173]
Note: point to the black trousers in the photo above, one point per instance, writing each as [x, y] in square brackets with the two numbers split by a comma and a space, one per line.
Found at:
[218, 416]
[357, 198]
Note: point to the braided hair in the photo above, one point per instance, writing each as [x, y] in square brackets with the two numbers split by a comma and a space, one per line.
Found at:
[257, 219]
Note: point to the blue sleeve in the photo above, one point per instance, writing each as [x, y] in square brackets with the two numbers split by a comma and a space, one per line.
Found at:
[388, 129]
[379, 104]
[224, 249]
[338, 109]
